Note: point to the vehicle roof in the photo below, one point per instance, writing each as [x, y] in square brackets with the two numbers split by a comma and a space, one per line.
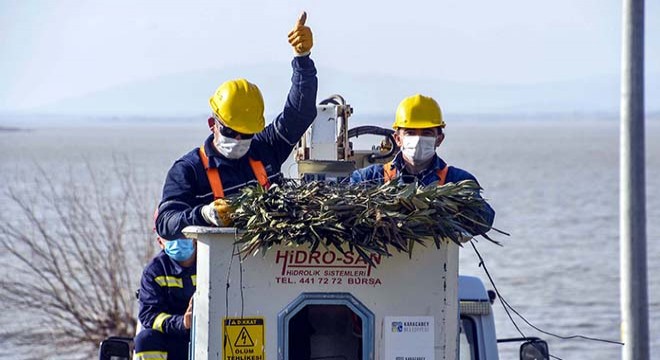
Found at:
[471, 288]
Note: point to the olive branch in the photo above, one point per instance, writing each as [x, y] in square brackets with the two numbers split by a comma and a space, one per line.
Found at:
[365, 219]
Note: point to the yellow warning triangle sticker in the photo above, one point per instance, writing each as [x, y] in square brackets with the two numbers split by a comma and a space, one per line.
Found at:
[243, 339]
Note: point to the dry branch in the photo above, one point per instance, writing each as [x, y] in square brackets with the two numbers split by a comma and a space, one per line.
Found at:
[364, 219]
[76, 249]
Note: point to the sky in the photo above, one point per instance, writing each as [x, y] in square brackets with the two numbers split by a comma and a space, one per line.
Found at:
[55, 51]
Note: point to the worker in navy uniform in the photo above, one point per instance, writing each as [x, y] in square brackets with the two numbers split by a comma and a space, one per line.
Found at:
[419, 130]
[241, 150]
[165, 297]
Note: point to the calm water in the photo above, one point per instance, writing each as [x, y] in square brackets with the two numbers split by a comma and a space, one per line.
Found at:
[554, 186]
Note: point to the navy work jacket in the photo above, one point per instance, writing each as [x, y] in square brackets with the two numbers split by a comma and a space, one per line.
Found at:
[374, 174]
[187, 188]
[165, 291]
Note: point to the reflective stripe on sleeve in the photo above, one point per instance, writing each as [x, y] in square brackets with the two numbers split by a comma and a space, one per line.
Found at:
[194, 280]
[151, 355]
[281, 136]
[169, 281]
[159, 320]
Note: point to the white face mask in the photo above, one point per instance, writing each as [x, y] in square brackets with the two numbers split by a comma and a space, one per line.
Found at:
[230, 147]
[418, 149]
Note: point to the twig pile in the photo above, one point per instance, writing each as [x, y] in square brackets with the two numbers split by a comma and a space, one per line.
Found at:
[357, 218]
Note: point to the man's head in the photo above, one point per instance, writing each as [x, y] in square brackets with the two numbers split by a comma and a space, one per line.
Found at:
[182, 251]
[418, 129]
[237, 114]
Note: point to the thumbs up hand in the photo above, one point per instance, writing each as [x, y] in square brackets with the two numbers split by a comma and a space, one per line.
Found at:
[300, 37]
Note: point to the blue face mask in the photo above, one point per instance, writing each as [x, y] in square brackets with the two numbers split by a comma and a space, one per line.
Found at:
[179, 250]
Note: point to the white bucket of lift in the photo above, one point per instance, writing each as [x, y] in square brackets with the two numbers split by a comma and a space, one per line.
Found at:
[296, 304]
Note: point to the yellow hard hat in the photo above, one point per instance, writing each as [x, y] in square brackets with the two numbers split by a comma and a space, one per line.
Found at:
[240, 106]
[418, 112]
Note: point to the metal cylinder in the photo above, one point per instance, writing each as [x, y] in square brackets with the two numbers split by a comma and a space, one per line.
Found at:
[634, 296]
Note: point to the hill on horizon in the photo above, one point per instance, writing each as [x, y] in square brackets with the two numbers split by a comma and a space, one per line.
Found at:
[186, 94]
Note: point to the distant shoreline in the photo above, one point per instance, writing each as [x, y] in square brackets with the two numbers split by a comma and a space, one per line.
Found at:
[31, 122]
[11, 129]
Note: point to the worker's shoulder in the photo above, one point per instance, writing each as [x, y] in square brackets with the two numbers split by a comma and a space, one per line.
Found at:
[190, 159]
[375, 168]
[455, 174]
[157, 266]
[370, 172]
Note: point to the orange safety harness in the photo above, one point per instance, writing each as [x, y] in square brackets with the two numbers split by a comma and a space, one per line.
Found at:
[389, 173]
[214, 175]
